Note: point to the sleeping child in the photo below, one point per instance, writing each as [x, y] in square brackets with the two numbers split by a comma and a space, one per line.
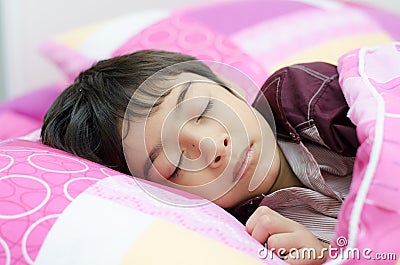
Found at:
[168, 118]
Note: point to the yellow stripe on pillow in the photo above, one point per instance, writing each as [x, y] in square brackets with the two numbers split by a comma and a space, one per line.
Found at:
[167, 243]
[332, 50]
[75, 38]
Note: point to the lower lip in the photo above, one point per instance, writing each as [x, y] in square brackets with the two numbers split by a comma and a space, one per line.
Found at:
[240, 169]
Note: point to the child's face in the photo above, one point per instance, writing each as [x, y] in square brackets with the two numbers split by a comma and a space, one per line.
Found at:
[213, 144]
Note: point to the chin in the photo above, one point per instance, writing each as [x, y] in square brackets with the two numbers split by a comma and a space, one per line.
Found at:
[225, 202]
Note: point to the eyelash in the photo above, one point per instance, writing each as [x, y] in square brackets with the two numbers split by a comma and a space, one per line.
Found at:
[177, 168]
[208, 108]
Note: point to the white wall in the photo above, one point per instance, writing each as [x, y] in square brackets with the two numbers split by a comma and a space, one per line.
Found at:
[2, 81]
[26, 23]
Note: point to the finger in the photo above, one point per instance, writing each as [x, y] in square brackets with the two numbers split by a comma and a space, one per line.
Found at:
[253, 220]
[262, 229]
[268, 225]
[283, 244]
[276, 222]
[287, 241]
[273, 223]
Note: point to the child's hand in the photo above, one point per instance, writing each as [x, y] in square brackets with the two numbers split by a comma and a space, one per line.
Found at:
[286, 238]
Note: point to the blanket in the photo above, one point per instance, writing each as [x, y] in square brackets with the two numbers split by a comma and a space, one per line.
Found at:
[369, 222]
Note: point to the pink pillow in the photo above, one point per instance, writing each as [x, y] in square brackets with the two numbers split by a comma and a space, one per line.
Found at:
[17, 125]
[56, 208]
[166, 32]
[257, 37]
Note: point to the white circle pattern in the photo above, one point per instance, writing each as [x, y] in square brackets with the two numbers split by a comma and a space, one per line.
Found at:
[26, 235]
[6, 251]
[9, 164]
[32, 180]
[66, 185]
[85, 166]
[39, 206]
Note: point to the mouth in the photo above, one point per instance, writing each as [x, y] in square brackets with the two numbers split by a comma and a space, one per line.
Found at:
[244, 161]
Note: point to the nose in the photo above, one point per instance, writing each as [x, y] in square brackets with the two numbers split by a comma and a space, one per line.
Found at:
[212, 144]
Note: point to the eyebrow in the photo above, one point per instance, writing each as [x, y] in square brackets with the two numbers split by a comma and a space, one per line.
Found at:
[155, 152]
[183, 93]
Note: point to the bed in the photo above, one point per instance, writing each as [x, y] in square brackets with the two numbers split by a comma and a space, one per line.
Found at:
[56, 208]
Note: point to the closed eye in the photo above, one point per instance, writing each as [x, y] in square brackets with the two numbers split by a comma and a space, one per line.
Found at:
[177, 168]
[206, 110]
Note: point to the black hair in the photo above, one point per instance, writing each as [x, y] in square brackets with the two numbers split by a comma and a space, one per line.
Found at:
[85, 119]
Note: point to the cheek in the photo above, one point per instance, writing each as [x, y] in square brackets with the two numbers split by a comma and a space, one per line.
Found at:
[253, 124]
[248, 118]
[194, 179]
[132, 156]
